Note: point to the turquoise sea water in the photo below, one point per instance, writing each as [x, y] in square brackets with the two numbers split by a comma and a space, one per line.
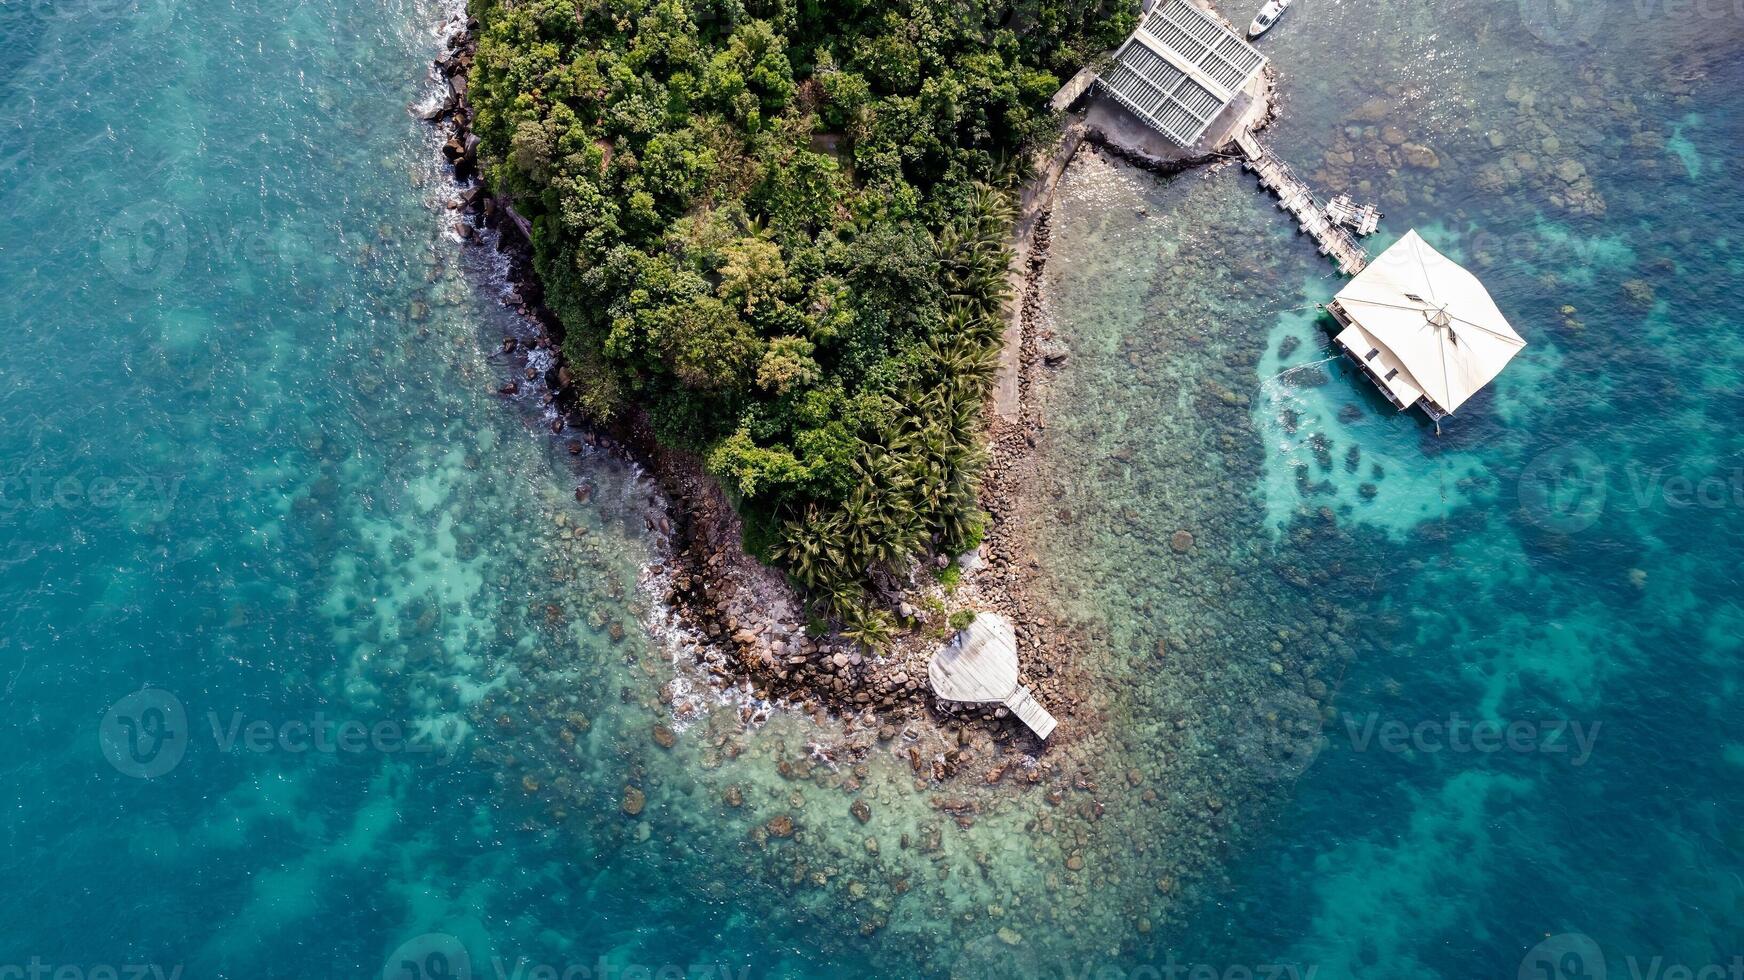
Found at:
[315, 665]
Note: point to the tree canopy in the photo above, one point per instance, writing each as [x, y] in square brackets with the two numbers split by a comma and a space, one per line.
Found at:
[774, 228]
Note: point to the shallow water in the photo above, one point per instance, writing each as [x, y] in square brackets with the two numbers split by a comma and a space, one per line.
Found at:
[259, 483]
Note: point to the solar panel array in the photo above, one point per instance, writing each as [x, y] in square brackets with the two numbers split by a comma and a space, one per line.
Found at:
[1181, 93]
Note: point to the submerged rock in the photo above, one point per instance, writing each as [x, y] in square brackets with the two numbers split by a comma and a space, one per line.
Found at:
[634, 801]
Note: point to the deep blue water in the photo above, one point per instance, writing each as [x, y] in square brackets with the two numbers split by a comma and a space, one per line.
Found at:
[307, 673]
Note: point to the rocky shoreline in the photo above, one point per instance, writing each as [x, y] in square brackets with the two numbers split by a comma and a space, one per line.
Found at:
[748, 622]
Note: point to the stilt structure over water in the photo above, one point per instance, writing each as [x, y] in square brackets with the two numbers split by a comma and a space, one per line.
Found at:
[1295, 197]
[1422, 328]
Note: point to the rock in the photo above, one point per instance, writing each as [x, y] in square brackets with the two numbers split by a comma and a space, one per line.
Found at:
[861, 811]
[1009, 936]
[1392, 135]
[1181, 541]
[871, 845]
[781, 826]
[1569, 171]
[1639, 290]
[1420, 156]
[664, 737]
[1075, 861]
[634, 801]
[733, 796]
[1374, 110]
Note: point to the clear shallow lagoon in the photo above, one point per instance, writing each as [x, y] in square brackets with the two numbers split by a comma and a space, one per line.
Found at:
[255, 464]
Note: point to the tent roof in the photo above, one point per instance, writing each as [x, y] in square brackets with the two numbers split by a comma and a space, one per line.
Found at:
[1433, 318]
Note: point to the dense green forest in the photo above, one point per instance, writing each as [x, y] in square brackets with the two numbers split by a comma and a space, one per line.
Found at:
[778, 228]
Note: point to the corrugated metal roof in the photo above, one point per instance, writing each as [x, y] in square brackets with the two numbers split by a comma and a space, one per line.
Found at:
[1179, 70]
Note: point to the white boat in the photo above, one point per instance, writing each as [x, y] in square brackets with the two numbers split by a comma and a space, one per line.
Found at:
[1267, 16]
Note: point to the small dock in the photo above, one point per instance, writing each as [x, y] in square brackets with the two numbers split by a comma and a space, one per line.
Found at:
[1360, 218]
[1295, 197]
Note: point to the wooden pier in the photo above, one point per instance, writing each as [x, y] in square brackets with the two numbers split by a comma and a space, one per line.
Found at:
[1295, 197]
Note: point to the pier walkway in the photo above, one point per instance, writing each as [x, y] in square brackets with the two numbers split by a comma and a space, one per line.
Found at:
[1295, 197]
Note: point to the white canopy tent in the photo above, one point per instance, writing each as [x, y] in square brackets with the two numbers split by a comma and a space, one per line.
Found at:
[1423, 328]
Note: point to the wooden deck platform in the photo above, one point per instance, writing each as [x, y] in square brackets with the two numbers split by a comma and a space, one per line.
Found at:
[1295, 197]
[979, 666]
[1363, 219]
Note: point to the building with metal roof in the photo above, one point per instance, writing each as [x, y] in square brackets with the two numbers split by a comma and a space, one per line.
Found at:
[1180, 69]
